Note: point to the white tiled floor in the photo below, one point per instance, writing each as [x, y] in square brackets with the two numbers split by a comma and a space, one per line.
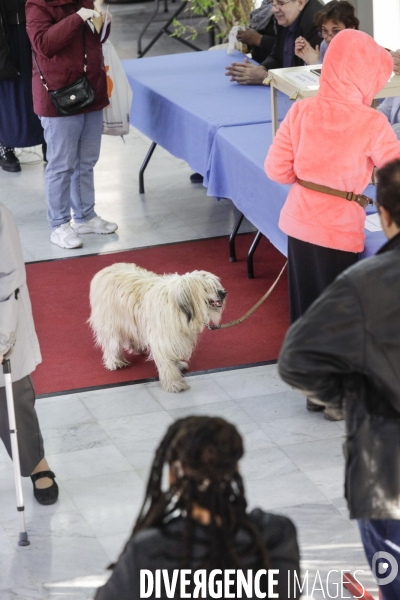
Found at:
[100, 443]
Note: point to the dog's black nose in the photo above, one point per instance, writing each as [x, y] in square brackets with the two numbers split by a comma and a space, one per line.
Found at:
[222, 294]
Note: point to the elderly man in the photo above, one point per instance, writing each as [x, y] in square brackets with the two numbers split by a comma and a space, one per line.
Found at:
[294, 18]
[345, 352]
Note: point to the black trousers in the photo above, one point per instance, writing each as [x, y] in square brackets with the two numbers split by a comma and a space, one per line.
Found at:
[30, 441]
[311, 269]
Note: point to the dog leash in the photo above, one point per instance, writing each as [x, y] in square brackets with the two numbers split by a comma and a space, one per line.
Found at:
[250, 312]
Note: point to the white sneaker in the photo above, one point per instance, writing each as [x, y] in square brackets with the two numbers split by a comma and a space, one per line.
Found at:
[95, 225]
[65, 237]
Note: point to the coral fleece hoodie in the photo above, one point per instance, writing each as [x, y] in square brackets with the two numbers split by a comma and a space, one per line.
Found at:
[334, 139]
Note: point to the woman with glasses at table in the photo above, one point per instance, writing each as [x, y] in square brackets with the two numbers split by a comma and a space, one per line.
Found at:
[295, 18]
[333, 18]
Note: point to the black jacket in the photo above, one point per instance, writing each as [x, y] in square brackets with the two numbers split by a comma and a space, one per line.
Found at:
[306, 29]
[12, 12]
[155, 548]
[345, 351]
[261, 52]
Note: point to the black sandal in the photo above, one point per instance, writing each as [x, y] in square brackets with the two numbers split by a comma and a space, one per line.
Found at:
[47, 495]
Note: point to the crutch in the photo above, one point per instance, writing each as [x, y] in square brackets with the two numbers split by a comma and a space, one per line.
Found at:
[23, 536]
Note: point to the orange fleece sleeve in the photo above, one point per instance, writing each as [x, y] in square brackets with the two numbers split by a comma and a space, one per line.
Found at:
[280, 158]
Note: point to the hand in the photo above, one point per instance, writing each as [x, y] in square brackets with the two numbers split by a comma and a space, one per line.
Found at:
[306, 52]
[246, 73]
[396, 62]
[104, 14]
[250, 37]
[86, 14]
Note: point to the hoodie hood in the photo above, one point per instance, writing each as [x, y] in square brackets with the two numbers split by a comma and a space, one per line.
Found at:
[355, 68]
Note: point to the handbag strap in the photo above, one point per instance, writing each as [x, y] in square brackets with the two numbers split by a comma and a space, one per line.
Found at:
[362, 200]
[84, 59]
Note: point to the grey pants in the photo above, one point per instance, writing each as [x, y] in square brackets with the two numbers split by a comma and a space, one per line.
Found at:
[73, 149]
[30, 441]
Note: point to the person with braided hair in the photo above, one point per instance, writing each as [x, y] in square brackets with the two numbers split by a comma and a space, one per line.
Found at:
[201, 520]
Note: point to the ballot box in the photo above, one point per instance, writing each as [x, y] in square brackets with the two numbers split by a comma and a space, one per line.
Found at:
[303, 82]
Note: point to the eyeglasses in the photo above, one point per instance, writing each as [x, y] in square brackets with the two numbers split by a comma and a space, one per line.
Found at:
[278, 4]
[325, 34]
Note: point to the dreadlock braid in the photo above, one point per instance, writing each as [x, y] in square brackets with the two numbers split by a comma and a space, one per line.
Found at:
[203, 453]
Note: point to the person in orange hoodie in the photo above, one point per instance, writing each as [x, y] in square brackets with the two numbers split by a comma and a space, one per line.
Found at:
[333, 139]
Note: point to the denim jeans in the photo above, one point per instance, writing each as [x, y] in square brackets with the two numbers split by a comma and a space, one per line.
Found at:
[73, 149]
[383, 536]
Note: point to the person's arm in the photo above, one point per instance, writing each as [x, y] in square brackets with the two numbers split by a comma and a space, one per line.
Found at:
[280, 538]
[273, 61]
[396, 62]
[386, 146]
[385, 108]
[267, 42]
[326, 344]
[49, 38]
[285, 557]
[11, 278]
[123, 583]
[306, 52]
[249, 36]
[280, 157]
[246, 73]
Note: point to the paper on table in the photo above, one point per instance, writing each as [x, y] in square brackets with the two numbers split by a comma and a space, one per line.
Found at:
[304, 78]
[105, 24]
[373, 223]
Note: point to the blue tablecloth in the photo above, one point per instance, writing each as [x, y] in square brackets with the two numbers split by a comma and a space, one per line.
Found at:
[236, 171]
[181, 100]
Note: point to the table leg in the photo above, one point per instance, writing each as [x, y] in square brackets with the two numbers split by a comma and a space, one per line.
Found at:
[253, 248]
[144, 165]
[146, 25]
[211, 31]
[232, 252]
[274, 109]
[164, 29]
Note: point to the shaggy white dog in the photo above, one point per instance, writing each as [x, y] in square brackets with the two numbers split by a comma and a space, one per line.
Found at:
[160, 315]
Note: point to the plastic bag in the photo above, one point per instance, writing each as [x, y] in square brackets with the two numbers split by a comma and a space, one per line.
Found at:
[233, 42]
[116, 114]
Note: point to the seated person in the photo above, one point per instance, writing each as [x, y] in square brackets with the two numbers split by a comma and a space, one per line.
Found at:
[295, 18]
[260, 36]
[334, 17]
[390, 107]
[200, 521]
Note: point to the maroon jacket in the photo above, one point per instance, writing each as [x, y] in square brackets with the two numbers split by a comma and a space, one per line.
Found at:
[55, 32]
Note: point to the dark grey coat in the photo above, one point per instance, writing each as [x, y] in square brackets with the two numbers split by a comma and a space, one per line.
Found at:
[157, 548]
[345, 350]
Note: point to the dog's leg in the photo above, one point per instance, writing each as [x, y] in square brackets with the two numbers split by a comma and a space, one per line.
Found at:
[113, 357]
[171, 379]
[182, 365]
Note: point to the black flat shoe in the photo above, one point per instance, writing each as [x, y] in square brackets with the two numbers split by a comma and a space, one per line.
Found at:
[47, 495]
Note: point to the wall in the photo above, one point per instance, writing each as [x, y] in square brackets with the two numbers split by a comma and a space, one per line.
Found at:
[365, 14]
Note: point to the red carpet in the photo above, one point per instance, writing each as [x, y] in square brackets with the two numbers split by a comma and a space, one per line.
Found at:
[59, 292]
